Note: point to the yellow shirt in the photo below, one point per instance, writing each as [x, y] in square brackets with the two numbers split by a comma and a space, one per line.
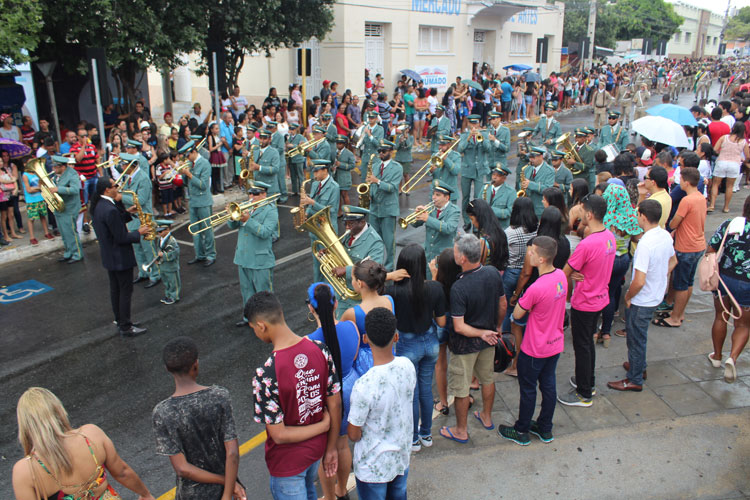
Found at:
[666, 205]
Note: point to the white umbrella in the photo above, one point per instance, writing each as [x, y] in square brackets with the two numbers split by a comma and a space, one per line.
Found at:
[663, 130]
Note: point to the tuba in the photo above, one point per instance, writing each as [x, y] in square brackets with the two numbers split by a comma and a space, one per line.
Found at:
[329, 251]
[363, 189]
[563, 142]
[146, 219]
[53, 200]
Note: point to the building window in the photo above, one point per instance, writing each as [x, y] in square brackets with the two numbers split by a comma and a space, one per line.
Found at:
[687, 37]
[677, 37]
[520, 43]
[434, 39]
[716, 41]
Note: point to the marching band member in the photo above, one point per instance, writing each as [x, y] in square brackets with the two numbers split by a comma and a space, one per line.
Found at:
[539, 176]
[585, 170]
[68, 186]
[441, 125]
[324, 192]
[614, 133]
[278, 142]
[563, 177]
[168, 263]
[624, 99]
[343, 166]
[331, 132]
[472, 164]
[384, 181]
[448, 173]
[321, 151]
[441, 223]
[548, 128]
[374, 133]
[523, 158]
[363, 242]
[268, 164]
[254, 256]
[140, 183]
[201, 203]
[296, 163]
[640, 100]
[600, 101]
[499, 141]
[499, 195]
[404, 141]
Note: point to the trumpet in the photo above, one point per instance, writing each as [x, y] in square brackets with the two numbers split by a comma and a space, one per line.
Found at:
[234, 213]
[304, 147]
[477, 134]
[405, 222]
[176, 170]
[126, 174]
[112, 159]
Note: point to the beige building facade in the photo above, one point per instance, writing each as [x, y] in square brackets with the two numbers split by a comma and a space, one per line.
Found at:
[699, 35]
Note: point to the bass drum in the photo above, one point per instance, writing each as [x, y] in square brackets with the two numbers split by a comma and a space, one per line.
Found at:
[611, 151]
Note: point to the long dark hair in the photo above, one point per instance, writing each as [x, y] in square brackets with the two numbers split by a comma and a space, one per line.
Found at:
[372, 273]
[580, 190]
[550, 223]
[448, 270]
[324, 309]
[102, 185]
[413, 260]
[556, 198]
[522, 215]
[490, 227]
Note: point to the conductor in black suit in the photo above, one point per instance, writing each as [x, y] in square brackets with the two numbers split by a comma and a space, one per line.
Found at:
[116, 246]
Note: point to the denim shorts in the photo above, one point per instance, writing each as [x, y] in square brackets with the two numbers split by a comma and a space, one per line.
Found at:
[684, 273]
[410, 119]
[420, 116]
[739, 289]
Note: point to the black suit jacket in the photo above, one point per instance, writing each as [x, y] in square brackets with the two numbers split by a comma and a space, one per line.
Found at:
[115, 242]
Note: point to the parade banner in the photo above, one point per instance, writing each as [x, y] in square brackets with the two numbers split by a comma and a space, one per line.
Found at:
[434, 77]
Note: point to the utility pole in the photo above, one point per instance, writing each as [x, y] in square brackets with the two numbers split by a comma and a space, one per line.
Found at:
[591, 32]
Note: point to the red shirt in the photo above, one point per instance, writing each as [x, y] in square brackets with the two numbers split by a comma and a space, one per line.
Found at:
[716, 130]
[87, 166]
[339, 129]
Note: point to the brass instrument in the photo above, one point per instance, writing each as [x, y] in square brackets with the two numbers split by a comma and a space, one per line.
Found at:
[247, 175]
[112, 159]
[127, 172]
[477, 134]
[234, 213]
[405, 222]
[304, 147]
[521, 193]
[53, 200]
[147, 267]
[400, 129]
[564, 144]
[146, 219]
[176, 170]
[329, 251]
[359, 136]
[363, 189]
[436, 160]
[298, 213]
[523, 144]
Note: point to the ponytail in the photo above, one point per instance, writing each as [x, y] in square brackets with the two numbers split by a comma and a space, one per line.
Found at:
[323, 300]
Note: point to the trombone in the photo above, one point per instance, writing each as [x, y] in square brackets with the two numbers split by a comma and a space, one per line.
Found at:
[302, 148]
[436, 160]
[405, 222]
[127, 174]
[234, 213]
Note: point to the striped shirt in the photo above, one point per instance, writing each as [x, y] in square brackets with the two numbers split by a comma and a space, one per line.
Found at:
[87, 167]
[517, 242]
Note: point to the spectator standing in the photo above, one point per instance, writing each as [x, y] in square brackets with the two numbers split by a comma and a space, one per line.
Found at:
[717, 128]
[507, 98]
[656, 184]
[195, 428]
[36, 208]
[7, 129]
[86, 157]
[732, 148]
[325, 91]
[421, 105]
[354, 113]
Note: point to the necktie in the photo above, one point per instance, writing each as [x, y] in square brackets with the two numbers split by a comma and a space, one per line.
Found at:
[493, 195]
[351, 241]
[382, 166]
[533, 174]
[438, 213]
[317, 191]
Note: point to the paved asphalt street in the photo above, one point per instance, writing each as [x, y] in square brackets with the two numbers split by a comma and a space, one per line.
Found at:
[65, 341]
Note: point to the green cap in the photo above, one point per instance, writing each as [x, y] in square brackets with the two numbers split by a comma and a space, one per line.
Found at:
[442, 187]
[527, 129]
[254, 128]
[196, 137]
[613, 115]
[354, 213]
[326, 116]
[133, 144]
[320, 164]
[188, 147]
[494, 114]
[556, 154]
[293, 126]
[589, 130]
[550, 105]
[581, 132]
[440, 107]
[128, 157]
[445, 139]
[319, 130]
[536, 150]
[256, 187]
[386, 145]
[501, 169]
[65, 160]
[342, 139]
[271, 123]
[474, 118]
[372, 114]
[264, 132]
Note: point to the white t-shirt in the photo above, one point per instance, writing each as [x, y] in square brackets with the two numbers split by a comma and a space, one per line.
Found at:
[729, 120]
[652, 258]
[432, 103]
[381, 403]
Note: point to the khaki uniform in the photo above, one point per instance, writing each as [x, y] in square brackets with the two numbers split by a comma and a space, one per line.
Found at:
[601, 101]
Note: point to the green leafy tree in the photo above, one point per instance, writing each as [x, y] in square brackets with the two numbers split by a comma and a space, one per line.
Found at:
[20, 24]
[648, 19]
[738, 27]
[575, 27]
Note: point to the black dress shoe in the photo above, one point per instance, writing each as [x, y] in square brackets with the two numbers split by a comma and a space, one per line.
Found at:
[209, 262]
[134, 331]
[241, 323]
[194, 261]
[63, 259]
[73, 261]
[152, 283]
[139, 279]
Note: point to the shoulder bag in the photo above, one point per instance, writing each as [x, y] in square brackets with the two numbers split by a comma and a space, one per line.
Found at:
[709, 279]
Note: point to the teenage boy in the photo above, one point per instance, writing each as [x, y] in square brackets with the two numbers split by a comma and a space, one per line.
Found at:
[194, 427]
[297, 397]
[380, 418]
[544, 301]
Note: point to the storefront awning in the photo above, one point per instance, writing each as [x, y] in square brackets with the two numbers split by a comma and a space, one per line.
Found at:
[501, 8]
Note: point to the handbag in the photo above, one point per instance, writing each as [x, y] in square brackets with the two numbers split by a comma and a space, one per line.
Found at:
[505, 351]
[709, 279]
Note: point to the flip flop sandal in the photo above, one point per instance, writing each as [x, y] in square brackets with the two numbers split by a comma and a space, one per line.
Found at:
[478, 417]
[451, 437]
[621, 333]
[663, 323]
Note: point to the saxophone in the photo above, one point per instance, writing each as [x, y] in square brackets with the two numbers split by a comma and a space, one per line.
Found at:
[521, 192]
[299, 217]
[246, 175]
[146, 219]
[363, 189]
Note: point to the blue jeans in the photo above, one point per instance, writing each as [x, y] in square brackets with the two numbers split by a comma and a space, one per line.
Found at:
[88, 188]
[619, 269]
[637, 319]
[522, 108]
[392, 490]
[422, 350]
[684, 272]
[510, 279]
[299, 487]
[530, 371]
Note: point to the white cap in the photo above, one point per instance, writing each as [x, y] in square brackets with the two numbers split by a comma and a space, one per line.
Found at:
[145, 125]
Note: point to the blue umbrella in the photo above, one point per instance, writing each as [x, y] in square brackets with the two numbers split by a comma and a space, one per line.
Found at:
[518, 67]
[411, 74]
[677, 114]
[532, 77]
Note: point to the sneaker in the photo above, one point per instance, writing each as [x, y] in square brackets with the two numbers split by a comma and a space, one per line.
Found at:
[426, 441]
[544, 437]
[416, 446]
[664, 306]
[86, 228]
[572, 398]
[168, 301]
[575, 386]
[511, 434]
[34, 241]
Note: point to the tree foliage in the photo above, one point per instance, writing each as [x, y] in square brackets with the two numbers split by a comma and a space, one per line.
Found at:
[20, 23]
[738, 27]
[575, 27]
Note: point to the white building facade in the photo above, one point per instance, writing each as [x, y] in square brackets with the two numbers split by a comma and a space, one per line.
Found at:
[440, 39]
[699, 35]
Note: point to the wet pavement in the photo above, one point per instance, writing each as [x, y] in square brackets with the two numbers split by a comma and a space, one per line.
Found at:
[64, 340]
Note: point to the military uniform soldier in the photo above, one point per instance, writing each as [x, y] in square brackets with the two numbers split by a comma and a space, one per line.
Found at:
[362, 242]
[331, 132]
[625, 100]
[254, 256]
[472, 164]
[499, 141]
[169, 262]
[384, 182]
[499, 195]
[324, 192]
[268, 164]
[203, 151]
[404, 142]
[68, 186]
[548, 128]
[640, 100]
[601, 100]
[539, 176]
[278, 142]
[702, 84]
[675, 82]
[440, 224]
[296, 163]
[373, 135]
[201, 203]
[563, 177]
[614, 133]
[584, 170]
[441, 125]
[448, 173]
[140, 183]
[321, 151]
[345, 162]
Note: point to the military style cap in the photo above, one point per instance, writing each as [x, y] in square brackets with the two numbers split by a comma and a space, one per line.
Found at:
[527, 129]
[196, 137]
[536, 150]
[550, 105]
[613, 115]
[342, 139]
[254, 128]
[354, 213]
[65, 160]
[264, 132]
[440, 107]
[188, 147]
[293, 126]
[442, 187]
[581, 132]
[445, 139]
[386, 145]
[326, 116]
[271, 123]
[320, 163]
[127, 157]
[163, 225]
[258, 187]
[319, 130]
[474, 118]
[494, 114]
[133, 144]
[372, 114]
[556, 154]
[589, 130]
[370, 103]
[501, 169]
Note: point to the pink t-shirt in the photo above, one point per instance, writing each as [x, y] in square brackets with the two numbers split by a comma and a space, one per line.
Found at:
[545, 301]
[593, 257]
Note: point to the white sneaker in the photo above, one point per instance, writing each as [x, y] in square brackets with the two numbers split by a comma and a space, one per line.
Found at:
[730, 371]
[416, 446]
[714, 363]
[426, 441]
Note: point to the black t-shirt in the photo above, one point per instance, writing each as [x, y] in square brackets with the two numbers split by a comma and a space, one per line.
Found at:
[475, 295]
[605, 167]
[196, 425]
[407, 319]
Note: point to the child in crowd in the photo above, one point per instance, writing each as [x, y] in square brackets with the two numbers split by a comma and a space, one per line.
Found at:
[238, 144]
[380, 418]
[36, 208]
[169, 263]
[164, 174]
